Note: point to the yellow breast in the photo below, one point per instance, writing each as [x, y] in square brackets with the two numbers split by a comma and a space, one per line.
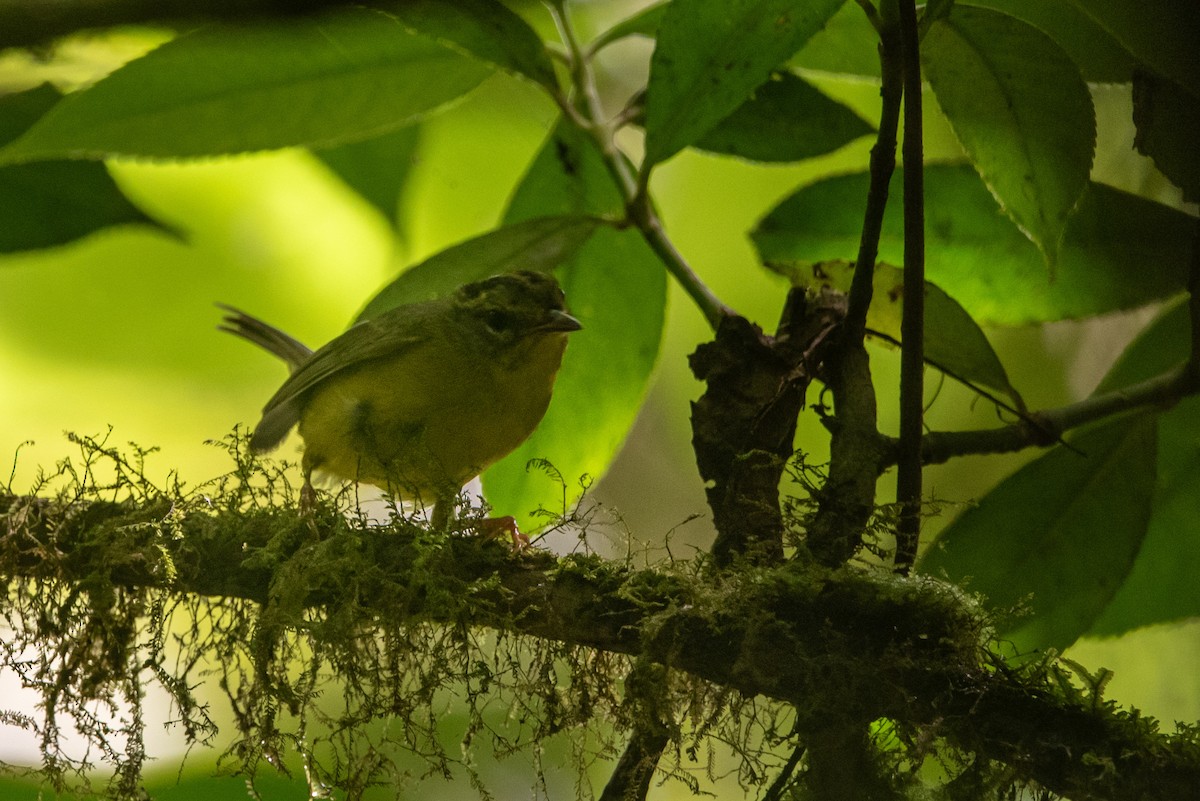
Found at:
[427, 421]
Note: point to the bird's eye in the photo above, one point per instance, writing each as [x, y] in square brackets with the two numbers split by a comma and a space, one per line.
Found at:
[498, 321]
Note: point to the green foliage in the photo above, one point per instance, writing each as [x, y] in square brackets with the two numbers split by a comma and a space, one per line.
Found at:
[1096, 536]
[1120, 251]
[347, 76]
[709, 57]
[1056, 540]
[1021, 111]
[53, 202]
[786, 119]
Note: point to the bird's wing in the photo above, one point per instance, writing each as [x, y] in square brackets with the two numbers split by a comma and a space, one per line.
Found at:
[388, 335]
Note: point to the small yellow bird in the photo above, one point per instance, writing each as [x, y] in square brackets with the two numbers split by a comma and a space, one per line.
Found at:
[424, 397]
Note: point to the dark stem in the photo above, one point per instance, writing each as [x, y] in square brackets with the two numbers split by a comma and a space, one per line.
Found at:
[589, 116]
[912, 325]
[1045, 428]
[1193, 365]
[784, 779]
[882, 165]
[845, 503]
[644, 687]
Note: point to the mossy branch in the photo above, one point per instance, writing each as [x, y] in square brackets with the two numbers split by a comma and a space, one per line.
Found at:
[846, 647]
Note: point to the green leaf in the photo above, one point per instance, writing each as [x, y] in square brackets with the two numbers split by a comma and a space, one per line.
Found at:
[1100, 58]
[643, 23]
[376, 168]
[485, 29]
[1020, 108]
[954, 343]
[1059, 536]
[1162, 586]
[1162, 35]
[1167, 119]
[1119, 252]
[540, 244]
[787, 119]
[617, 288]
[54, 202]
[847, 45]
[710, 56]
[20, 110]
[313, 81]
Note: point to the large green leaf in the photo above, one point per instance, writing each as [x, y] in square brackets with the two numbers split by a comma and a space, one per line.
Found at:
[617, 288]
[1167, 119]
[54, 202]
[1059, 536]
[1162, 586]
[710, 56]
[540, 244]
[376, 168]
[787, 119]
[1017, 103]
[847, 45]
[954, 342]
[312, 81]
[1098, 55]
[1163, 35]
[1119, 252]
[486, 29]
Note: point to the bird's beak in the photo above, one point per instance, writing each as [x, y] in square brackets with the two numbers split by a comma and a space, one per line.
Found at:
[560, 321]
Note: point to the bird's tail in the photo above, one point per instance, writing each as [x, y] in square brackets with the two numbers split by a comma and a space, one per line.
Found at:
[266, 336]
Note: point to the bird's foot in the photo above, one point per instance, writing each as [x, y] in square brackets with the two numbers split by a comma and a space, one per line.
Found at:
[494, 528]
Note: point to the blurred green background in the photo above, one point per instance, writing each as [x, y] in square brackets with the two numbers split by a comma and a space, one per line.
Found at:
[119, 331]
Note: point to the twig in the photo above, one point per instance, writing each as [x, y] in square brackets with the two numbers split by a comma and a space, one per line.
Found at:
[882, 165]
[775, 791]
[638, 207]
[1046, 427]
[912, 324]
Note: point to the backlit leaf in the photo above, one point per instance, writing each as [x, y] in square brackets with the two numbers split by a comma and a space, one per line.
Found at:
[1120, 251]
[53, 202]
[1017, 103]
[1059, 537]
[710, 56]
[311, 81]
[787, 119]
[1162, 587]
[486, 29]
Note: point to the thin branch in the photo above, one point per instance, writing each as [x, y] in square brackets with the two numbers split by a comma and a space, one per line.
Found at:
[846, 501]
[639, 208]
[1045, 428]
[912, 324]
[882, 165]
[777, 788]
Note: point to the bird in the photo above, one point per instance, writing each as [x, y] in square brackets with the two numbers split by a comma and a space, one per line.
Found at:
[421, 398]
